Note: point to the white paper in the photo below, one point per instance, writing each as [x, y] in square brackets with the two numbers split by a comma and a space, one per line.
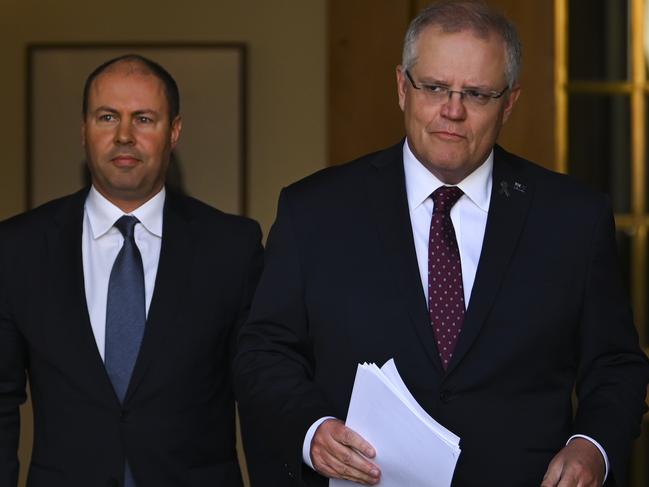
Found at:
[412, 449]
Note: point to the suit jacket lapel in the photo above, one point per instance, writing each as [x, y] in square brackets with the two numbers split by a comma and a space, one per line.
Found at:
[510, 199]
[174, 267]
[389, 203]
[67, 297]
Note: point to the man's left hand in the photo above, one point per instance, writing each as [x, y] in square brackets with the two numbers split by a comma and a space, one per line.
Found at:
[578, 464]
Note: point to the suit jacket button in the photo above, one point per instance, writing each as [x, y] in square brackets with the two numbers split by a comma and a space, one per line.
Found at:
[113, 482]
[123, 415]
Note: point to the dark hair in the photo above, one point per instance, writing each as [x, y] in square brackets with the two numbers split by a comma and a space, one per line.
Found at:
[459, 15]
[148, 66]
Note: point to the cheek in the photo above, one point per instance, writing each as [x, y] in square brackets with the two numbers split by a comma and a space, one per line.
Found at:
[486, 130]
[420, 117]
[99, 140]
[154, 144]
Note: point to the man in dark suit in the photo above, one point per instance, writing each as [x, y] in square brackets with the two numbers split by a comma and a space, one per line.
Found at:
[491, 281]
[121, 302]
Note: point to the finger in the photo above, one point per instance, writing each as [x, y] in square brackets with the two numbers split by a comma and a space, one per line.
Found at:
[330, 466]
[350, 457]
[576, 474]
[568, 481]
[350, 438]
[347, 471]
[552, 475]
[334, 459]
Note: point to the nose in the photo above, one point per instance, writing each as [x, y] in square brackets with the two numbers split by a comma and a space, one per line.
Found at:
[124, 134]
[454, 108]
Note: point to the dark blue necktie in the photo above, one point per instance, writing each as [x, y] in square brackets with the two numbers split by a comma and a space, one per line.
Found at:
[125, 314]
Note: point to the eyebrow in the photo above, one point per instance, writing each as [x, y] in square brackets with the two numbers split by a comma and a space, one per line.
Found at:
[434, 81]
[146, 111]
[143, 111]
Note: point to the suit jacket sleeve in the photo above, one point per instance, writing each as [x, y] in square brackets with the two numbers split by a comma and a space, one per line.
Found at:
[12, 374]
[274, 367]
[612, 380]
[252, 264]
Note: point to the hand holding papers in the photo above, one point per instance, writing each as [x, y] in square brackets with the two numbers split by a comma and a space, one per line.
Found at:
[412, 449]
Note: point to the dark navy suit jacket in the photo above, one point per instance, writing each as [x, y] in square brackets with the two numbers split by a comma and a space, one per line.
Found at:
[176, 426]
[548, 312]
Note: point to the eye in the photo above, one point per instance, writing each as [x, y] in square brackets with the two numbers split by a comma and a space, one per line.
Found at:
[106, 117]
[476, 95]
[144, 119]
[435, 89]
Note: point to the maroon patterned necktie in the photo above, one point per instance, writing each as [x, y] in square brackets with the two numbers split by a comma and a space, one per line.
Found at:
[445, 289]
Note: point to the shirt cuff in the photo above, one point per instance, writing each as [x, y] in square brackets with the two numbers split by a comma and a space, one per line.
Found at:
[306, 446]
[599, 447]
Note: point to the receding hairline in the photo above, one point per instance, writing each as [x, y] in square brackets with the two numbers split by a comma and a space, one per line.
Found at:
[475, 16]
[127, 71]
[136, 65]
[127, 67]
[483, 34]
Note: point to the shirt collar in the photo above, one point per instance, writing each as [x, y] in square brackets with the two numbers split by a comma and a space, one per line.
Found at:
[420, 182]
[102, 214]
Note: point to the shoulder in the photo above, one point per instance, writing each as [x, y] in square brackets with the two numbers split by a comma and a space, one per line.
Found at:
[210, 220]
[340, 179]
[41, 218]
[520, 174]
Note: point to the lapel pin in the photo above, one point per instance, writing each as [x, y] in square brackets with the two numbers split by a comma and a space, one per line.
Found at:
[504, 188]
[520, 187]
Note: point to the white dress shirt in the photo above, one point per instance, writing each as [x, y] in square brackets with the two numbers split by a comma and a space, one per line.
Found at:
[469, 217]
[100, 244]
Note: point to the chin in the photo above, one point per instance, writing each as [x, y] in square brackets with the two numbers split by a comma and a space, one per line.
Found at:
[125, 187]
[445, 161]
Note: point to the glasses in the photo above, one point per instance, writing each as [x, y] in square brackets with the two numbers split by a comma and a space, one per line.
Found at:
[440, 93]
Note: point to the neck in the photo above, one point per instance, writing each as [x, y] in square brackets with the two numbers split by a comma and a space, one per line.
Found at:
[127, 205]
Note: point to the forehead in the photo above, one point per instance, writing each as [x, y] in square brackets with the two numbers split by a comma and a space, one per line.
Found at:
[463, 54]
[123, 87]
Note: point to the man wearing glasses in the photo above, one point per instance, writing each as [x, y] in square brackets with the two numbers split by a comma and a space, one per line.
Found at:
[491, 281]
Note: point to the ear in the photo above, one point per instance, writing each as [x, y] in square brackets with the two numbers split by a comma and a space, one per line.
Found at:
[83, 132]
[401, 86]
[512, 98]
[176, 128]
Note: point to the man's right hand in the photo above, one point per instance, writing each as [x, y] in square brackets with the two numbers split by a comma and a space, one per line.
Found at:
[339, 452]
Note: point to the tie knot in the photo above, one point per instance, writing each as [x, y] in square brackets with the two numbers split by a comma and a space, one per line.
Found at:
[445, 197]
[126, 224]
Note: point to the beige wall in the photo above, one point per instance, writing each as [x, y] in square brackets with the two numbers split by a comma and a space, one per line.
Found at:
[286, 77]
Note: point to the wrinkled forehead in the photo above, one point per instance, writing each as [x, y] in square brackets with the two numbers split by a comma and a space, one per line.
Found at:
[481, 34]
[460, 57]
[467, 42]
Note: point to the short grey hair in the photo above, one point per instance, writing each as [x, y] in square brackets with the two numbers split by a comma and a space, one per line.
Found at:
[460, 15]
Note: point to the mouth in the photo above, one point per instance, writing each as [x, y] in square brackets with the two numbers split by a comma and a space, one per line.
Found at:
[124, 161]
[449, 136]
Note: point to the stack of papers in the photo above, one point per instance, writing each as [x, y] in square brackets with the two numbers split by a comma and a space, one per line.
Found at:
[412, 449]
